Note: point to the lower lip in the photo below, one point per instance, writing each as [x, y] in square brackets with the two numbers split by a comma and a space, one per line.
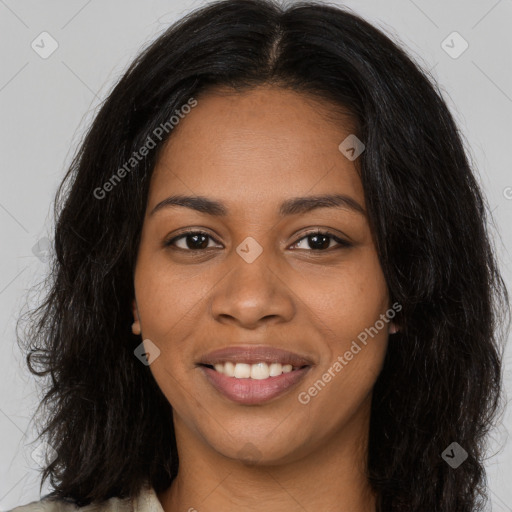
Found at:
[253, 391]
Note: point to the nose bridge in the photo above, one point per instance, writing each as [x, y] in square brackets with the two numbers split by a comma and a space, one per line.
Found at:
[250, 271]
[251, 289]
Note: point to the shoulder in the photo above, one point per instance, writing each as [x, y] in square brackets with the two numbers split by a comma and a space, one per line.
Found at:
[57, 505]
[147, 501]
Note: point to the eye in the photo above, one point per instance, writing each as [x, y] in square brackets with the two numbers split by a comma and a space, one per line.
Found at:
[317, 240]
[320, 241]
[191, 241]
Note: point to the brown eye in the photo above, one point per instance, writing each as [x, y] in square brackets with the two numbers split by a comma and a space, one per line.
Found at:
[321, 241]
[191, 241]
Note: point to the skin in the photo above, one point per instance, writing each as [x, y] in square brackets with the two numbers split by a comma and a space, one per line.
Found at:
[252, 151]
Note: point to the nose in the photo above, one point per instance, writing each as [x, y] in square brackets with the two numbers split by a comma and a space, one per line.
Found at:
[252, 294]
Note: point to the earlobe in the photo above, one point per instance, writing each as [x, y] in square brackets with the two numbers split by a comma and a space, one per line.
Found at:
[136, 324]
[393, 328]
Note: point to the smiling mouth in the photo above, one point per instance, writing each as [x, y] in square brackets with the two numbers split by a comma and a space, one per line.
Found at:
[256, 371]
[254, 374]
[253, 384]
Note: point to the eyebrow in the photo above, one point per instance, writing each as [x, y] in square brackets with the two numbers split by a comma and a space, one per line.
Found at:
[293, 206]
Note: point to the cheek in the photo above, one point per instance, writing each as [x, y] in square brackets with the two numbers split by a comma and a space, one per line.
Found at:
[167, 298]
[347, 299]
[168, 304]
[348, 309]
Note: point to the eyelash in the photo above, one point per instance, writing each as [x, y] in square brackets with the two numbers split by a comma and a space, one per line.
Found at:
[341, 243]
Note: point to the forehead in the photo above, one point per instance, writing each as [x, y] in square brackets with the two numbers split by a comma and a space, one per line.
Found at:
[266, 142]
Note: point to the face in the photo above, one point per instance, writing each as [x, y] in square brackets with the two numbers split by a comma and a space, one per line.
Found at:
[258, 275]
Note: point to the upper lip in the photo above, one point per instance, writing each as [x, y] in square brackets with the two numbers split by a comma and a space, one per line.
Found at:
[254, 354]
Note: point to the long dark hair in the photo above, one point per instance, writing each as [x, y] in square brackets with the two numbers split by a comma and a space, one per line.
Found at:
[103, 412]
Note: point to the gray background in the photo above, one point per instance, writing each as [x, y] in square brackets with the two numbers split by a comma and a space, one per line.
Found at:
[45, 105]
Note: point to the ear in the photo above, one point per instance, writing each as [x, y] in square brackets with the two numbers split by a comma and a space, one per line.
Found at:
[393, 328]
[136, 324]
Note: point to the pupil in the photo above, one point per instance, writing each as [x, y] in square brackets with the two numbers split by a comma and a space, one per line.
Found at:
[194, 244]
[319, 245]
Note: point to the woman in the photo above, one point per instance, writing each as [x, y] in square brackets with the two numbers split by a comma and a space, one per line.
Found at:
[273, 286]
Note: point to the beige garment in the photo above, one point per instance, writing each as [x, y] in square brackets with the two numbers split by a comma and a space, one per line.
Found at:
[146, 501]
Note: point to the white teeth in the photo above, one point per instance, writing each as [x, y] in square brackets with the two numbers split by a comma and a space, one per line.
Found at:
[258, 371]
[276, 369]
[242, 370]
[229, 369]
